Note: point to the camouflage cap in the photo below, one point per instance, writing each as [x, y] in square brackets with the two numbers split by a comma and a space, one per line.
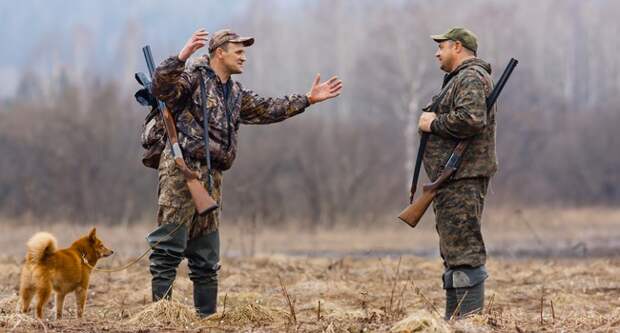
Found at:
[465, 36]
[225, 36]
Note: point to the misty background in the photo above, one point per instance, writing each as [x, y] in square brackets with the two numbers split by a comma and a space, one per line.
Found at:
[69, 125]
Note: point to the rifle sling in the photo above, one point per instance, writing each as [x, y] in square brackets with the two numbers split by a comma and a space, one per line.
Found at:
[454, 161]
[205, 117]
[423, 141]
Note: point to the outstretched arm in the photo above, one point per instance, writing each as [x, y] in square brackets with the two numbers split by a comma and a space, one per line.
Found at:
[170, 82]
[260, 110]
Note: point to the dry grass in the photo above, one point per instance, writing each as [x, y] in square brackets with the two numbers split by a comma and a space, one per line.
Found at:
[163, 314]
[508, 231]
[355, 295]
[337, 292]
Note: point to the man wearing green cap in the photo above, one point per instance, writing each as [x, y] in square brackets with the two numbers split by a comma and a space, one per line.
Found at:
[192, 93]
[461, 114]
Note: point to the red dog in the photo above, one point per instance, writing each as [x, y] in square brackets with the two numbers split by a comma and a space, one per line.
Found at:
[64, 271]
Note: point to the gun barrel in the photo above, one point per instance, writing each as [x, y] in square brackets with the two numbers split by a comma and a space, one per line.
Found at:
[502, 82]
[150, 63]
[413, 213]
[202, 199]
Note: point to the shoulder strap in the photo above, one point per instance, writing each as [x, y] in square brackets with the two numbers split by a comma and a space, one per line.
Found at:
[442, 94]
[205, 117]
[488, 82]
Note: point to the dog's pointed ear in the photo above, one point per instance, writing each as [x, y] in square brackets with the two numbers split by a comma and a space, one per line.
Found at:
[93, 234]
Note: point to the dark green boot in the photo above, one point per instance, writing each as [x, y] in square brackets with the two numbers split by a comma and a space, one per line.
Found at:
[464, 291]
[161, 290]
[203, 256]
[205, 299]
[167, 253]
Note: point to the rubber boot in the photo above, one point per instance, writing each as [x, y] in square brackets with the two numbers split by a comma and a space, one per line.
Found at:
[203, 255]
[205, 299]
[464, 291]
[168, 249]
[161, 290]
[462, 302]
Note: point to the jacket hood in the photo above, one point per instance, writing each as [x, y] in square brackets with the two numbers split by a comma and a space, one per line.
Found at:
[474, 62]
[193, 64]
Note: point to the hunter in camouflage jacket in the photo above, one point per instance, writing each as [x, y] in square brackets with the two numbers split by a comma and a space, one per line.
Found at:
[462, 114]
[180, 90]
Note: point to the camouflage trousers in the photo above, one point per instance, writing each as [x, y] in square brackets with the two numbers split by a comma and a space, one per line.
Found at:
[458, 211]
[175, 201]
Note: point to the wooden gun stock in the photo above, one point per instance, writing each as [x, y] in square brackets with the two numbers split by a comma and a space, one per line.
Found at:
[414, 212]
[202, 200]
[200, 196]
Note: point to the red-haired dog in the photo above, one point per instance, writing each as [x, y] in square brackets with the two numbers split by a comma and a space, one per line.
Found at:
[64, 271]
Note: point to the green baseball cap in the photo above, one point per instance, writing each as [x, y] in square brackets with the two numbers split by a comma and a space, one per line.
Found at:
[465, 36]
[224, 36]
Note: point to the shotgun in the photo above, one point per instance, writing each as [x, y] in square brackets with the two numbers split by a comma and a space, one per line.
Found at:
[413, 213]
[202, 199]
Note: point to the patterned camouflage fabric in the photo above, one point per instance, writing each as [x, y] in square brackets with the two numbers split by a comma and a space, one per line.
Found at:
[224, 36]
[175, 201]
[458, 210]
[462, 115]
[179, 88]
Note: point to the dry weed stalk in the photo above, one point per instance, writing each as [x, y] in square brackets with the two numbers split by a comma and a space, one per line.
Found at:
[288, 300]
[364, 303]
[400, 305]
[458, 306]
[418, 292]
[389, 309]
[542, 304]
[224, 307]
[491, 304]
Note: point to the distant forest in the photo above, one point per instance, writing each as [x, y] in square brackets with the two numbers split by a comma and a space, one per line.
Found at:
[70, 140]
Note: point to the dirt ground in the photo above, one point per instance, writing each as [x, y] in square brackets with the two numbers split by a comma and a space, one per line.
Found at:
[354, 295]
[371, 280]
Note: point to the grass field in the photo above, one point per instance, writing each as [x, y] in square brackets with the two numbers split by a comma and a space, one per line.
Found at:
[348, 280]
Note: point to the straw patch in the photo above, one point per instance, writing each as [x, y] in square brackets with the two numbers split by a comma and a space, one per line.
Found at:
[165, 313]
[247, 308]
[421, 321]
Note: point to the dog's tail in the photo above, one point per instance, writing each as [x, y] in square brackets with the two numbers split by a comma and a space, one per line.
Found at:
[40, 246]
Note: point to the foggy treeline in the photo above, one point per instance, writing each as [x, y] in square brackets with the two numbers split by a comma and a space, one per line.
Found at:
[70, 144]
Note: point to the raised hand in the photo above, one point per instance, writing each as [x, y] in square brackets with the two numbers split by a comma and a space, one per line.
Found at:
[326, 90]
[198, 40]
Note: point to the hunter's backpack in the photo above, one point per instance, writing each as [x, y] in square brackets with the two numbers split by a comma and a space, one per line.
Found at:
[153, 134]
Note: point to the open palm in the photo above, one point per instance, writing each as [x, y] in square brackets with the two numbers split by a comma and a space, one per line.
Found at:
[326, 90]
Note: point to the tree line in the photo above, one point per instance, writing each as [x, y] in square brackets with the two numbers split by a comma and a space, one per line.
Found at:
[70, 145]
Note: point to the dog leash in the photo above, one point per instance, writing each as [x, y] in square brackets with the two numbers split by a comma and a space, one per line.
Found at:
[133, 262]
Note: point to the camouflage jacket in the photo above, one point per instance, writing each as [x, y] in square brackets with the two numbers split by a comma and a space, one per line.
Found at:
[179, 88]
[462, 115]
